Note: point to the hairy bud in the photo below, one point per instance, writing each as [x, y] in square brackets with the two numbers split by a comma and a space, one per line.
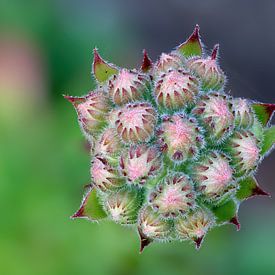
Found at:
[173, 196]
[123, 206]
[127, 86]
[194, 226]
[211, 75]
[139, 162]
[180, 137]
[176, 89]
[172, 153]
[136, 122]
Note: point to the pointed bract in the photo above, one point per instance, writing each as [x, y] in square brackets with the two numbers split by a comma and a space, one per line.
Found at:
[249, 188]
[192, 46]
[236, 222]
[147, 63]
[90, 207]
[144, 241]
[102, 70]
[264, 112]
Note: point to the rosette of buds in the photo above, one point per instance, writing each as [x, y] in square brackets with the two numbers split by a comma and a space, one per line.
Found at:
[172, 153]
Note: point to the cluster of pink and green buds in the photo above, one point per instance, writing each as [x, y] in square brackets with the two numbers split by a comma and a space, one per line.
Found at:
[172, 154]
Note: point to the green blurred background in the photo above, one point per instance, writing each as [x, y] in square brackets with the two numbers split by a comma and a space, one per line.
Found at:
[46, 51]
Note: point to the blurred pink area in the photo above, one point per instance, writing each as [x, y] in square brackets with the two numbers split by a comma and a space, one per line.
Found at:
[23, 74]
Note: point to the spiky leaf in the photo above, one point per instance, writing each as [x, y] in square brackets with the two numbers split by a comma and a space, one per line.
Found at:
[269, 140]
[90, 207]
[192, 46]
[225, 212]
[248, 188]
[263, 112]
[102, 70]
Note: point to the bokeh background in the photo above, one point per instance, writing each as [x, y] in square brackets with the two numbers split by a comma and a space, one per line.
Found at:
[46, 51]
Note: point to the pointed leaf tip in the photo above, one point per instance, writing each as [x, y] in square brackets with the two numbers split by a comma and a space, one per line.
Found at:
[264, 112]
[236, 222]
[215, 52]
[192, 46]
[90, 207]
[144, 241]
[257, 191]
[146, 62]
[74, 100]
[198, 242]
[249, 188]
[101, 69]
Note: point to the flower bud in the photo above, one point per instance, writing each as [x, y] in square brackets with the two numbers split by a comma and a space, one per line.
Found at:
[211, 75]
[167, 62]
[136, 122]
[173, 196]
[123, 206]
[152, 226]
[215, 112]
[244, 116]
[104, 176]
[213, 175]
[139, 162]
[194, 226]
[176, 89]
[127, 86]
[92, 111]
[180, 137]
[109, 144]
[244, 149]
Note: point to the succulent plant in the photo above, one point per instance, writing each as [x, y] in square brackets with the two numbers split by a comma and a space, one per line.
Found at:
[172, 154]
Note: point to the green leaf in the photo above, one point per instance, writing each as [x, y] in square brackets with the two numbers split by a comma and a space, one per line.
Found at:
[263, 112]
[101, 69]
[192, 46]
[269, 140]
[225, 212]
[90, 207]
[248, 188]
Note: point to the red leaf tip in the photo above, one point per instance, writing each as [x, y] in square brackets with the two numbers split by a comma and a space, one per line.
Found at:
[144, 241]
[97, 57]
[146, 62]
[257, 191]
[198, 242]
[196, 33]
[79, 213]
[74, 100]
[236, 222]
[215, 52]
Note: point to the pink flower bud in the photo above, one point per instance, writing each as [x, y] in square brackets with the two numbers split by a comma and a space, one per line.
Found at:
[244, 149]
[167, 62]
[180, 137]
[109, 144]
[104, 176]
[173, 196]
[176, 89]
[194, 226]
[215, 111]
[208, 70]
[213, 175]
[244, 116]
[136, 122]
[152, 225]
[127, 86]
[92, 111]
[139, 162]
